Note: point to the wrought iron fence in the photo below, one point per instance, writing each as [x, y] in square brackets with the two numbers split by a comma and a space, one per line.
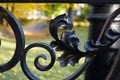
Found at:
[68, 43]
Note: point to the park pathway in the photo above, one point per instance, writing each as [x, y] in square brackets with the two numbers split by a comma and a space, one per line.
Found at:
[36, 30]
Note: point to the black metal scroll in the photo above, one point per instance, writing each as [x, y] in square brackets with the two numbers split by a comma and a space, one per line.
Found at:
[66, 42]
[19, 36]
[40, 67]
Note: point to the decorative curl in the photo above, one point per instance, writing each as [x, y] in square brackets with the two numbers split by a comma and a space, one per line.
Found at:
[55, 24]
[19, 36]
[109, 35]
[40, 67]
[68, 42]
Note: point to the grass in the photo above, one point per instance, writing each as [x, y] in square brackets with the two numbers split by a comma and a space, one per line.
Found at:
[56, 73]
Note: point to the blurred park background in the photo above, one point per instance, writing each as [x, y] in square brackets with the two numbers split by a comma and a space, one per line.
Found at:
[35, 18]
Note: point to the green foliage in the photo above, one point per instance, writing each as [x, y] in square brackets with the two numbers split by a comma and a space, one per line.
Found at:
[84, 13]
[20, 10]
[54, 9]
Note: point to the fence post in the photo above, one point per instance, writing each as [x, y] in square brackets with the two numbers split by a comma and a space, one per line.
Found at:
[101, 63]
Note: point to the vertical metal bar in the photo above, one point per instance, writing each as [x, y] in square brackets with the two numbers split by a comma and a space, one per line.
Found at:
[102, 62]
